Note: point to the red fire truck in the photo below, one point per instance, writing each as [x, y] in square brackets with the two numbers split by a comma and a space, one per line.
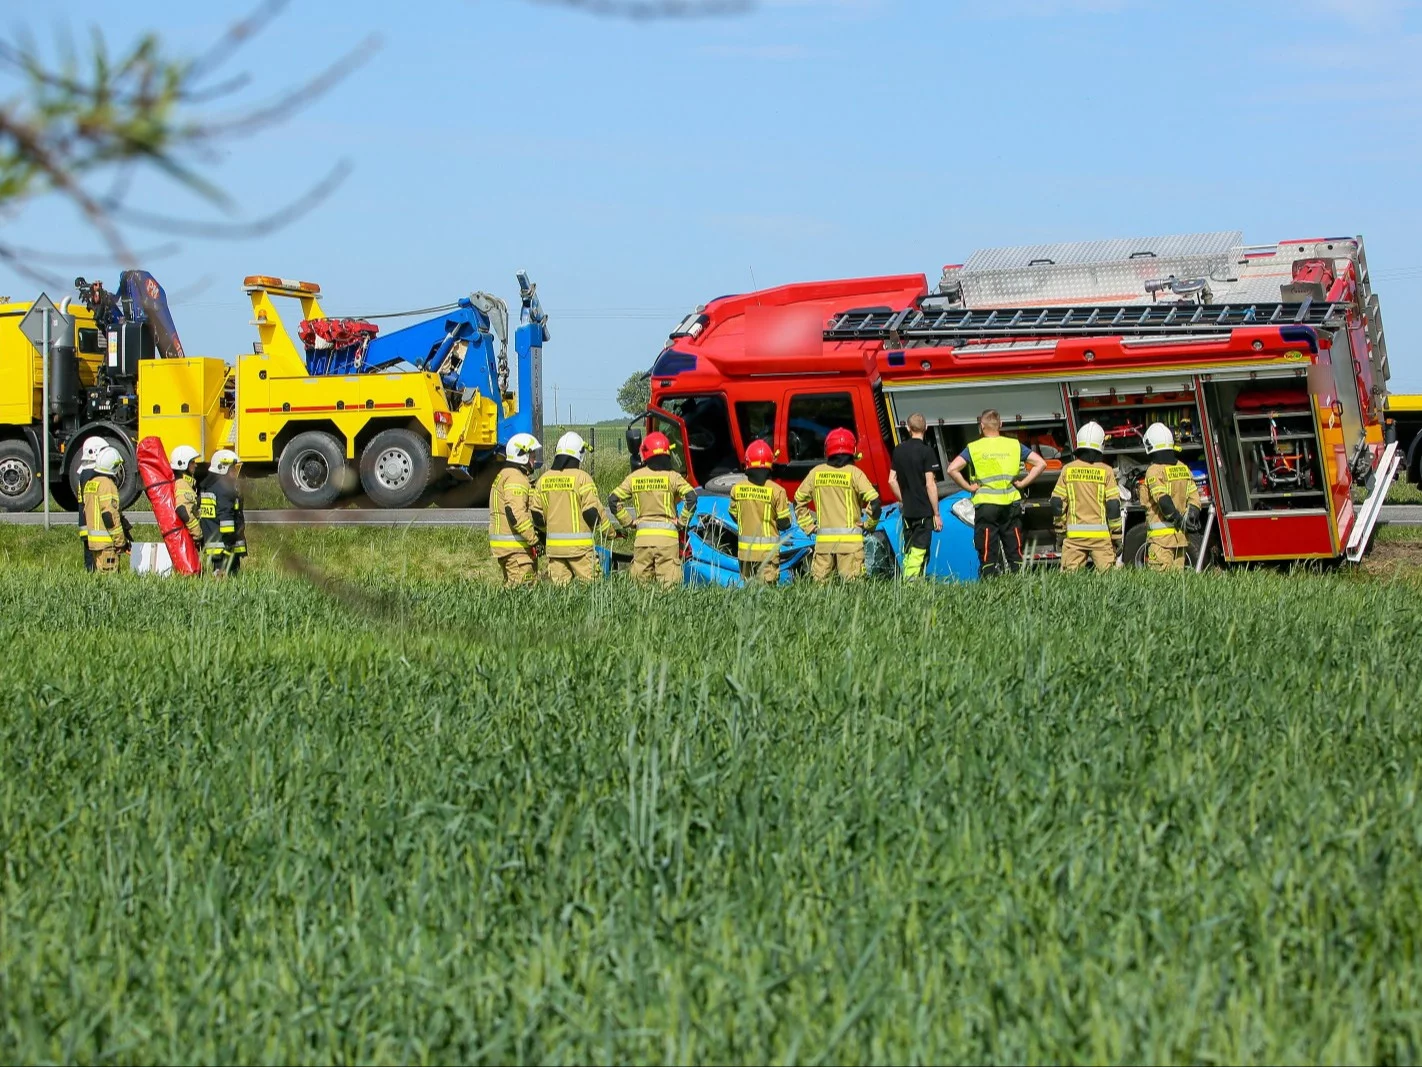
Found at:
[1268, 362]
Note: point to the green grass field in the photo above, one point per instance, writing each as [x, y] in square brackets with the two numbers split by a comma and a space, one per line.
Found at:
[404, 816]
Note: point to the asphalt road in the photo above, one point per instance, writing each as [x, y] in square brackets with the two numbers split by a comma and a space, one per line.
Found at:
[1392, 514]
[295, 517]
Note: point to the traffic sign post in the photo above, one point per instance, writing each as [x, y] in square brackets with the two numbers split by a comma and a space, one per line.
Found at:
[37, 325]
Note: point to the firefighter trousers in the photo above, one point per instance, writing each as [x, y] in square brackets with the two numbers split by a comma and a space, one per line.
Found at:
[768, 569]
[1077, 550]
[106, 560]
[518, 568]
[1161, 557]
[564, 569]
[997, 534]
[848, 565]
[660, 562]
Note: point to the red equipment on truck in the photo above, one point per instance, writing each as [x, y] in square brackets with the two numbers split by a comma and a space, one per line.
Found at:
[1199, 332]
[157, 477]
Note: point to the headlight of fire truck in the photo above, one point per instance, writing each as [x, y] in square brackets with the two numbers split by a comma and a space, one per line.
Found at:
[963, 510]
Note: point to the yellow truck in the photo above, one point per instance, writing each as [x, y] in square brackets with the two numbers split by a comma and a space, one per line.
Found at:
[335, 407]
[1403, 412]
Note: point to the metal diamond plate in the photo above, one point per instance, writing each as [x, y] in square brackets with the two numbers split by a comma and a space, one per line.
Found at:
[1118, 250]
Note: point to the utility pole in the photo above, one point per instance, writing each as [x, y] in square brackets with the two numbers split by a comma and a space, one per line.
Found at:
[555, 401]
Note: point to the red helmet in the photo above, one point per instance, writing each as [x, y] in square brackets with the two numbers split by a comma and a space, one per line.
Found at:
[840, 442]
[656, 444]
[758, 454]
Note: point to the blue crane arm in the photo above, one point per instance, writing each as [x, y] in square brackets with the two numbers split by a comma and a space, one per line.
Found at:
[429, 344]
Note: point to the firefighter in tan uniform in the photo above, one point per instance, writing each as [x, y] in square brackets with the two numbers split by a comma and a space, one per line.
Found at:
[1086, 505]
[761, 511]
[103, 522]
[83, 472]
[513, 541]
[656, 491]
[1172, 502]
[841, 494]
[185, 491]
[566, 503]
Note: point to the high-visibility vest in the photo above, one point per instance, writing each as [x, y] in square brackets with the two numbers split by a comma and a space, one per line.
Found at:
[996, 462]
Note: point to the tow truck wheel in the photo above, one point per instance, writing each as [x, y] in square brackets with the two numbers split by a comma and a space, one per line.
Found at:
[312, 469]
[395, 468]
[20, 485]
[129, 486]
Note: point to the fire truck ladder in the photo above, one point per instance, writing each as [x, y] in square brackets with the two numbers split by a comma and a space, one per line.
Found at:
[949, 325]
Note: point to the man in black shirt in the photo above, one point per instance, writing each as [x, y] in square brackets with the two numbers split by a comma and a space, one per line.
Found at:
[913, 483]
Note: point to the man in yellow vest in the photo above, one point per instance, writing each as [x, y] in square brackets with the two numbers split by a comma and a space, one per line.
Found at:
[566, 499]
[841, 494]
[104, 527]
[512, 538]
[657, 492]
[761, 511]
[1171, 499]
[997, 492]
[1086, 505]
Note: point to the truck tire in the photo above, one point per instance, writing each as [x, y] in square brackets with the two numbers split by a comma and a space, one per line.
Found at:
[1133, 548]
[395, 468]
[312, 470]
[21, 488]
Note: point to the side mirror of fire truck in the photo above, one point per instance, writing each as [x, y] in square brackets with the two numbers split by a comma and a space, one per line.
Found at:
[634, 447]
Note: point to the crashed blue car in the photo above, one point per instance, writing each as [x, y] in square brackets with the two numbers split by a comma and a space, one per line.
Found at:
[711, 544]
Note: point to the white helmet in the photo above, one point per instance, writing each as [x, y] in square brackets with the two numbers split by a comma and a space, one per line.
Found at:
[90, 452]
[570, 444]
[223, 460]
[1158, 438]
[1091, 436]
[183, 457]
[523, 449]
[109, 460]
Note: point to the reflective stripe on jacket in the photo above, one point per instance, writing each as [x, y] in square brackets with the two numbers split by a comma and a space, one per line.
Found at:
[1086, 491]
[839, 496]
[562, 497]
[757, 511]
[655, 495]
[996, 464]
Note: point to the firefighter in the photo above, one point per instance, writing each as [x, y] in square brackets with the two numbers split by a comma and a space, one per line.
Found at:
[84, 470]
[222, 524]
[105, 530]
[760, 509]
[566, 499]
[512, 537]
[841, 494]
[657, 493]
[997, 491]
[1172, 502]
[1086, 505]
[185, 491]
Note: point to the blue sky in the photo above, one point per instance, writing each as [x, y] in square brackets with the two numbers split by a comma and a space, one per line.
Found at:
[637, 169]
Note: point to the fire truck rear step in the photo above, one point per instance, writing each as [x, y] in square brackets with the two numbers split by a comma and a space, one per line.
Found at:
[1372, 507]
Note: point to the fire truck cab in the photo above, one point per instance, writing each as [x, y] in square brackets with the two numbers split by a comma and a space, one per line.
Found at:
[1268, 363]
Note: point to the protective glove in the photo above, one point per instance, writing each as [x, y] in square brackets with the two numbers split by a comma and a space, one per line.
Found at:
[1192, 519]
